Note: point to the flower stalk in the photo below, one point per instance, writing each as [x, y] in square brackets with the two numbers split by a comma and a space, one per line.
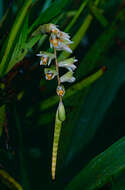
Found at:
[57, 70]
[59, 41]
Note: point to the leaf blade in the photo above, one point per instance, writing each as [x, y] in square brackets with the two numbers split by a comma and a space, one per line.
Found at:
[101, 169]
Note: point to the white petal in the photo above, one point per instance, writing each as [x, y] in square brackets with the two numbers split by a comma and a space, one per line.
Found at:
[68, 77]
[67, 49]
[75, 60]
[53, 36]
[49, 61]
[54, 27]
[72, 79]
[65, 35]
[51, 45]
[41, 62]
[39, 55]
[69, 41]
[72, 67]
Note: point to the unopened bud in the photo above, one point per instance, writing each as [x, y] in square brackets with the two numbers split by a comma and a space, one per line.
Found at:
[61, 111]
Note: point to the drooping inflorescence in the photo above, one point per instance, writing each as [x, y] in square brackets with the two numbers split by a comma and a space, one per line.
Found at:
[59, 41]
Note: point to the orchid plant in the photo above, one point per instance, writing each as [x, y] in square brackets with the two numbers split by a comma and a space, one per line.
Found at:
[59, 41]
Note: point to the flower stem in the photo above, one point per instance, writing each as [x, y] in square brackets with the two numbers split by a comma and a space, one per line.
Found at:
[57, 70]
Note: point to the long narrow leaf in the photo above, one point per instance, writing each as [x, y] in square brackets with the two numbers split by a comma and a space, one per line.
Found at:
[101, 169]
[49, 13]
[17, 24]
[19, 45]
[9, 181]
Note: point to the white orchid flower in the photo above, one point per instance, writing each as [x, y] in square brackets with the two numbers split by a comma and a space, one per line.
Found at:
[68, 64]
[45, 57]
[68, 77]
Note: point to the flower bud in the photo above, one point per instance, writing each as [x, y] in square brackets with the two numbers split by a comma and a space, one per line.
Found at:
[61, 111]
[45, 29]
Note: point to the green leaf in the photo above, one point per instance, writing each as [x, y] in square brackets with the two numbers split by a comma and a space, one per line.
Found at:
[80, 33]
[17, 52]
[101, 169]
[119, 182]
[32, 41]
[46, 5]
[9, 181]
[74, 20]
[49, 13]
[91, 109]
[95, 105]
[15, 29]
[78, 36]
[98, 15]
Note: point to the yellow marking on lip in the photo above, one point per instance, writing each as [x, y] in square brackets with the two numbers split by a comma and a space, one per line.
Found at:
[55, 31]
[44, 60]
[61, 40]
[60, 92]
[49, 76]
[44, 63]
[54, 42]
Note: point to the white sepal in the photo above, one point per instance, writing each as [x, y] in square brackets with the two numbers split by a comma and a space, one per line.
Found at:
[68, 77]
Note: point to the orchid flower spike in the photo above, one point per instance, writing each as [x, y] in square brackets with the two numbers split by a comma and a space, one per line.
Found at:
[59, 41]
[45, 57]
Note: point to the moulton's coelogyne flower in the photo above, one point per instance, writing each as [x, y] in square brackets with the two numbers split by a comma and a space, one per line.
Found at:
[45, 57]
[68, 64]
[59, 40]
[50, 73]
[68, 77]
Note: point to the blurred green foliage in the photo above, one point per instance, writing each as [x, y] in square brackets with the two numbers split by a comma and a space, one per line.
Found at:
[94, 104]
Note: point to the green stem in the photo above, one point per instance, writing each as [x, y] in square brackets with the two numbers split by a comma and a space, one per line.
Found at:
[57, 67]
[57, 70]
